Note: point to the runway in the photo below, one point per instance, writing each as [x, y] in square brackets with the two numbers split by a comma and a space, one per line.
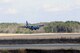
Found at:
[41, 46]
[40, 36]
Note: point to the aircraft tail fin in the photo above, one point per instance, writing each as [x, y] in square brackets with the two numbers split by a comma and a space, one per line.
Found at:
[26, 23]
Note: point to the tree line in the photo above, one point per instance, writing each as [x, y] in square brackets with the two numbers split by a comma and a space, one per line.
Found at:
[49, 27]
[68, 27]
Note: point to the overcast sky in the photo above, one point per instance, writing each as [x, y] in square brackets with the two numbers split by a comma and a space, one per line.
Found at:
[39, 10]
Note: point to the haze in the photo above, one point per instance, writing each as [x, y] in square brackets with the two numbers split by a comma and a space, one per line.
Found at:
[35, 11]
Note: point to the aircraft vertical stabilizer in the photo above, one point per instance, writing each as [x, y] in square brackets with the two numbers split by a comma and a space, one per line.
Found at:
[26, 23]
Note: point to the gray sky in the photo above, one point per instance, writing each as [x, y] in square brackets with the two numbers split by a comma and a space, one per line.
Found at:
[39, 10]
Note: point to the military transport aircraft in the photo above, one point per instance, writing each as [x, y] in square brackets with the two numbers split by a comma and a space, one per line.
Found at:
[31, 27]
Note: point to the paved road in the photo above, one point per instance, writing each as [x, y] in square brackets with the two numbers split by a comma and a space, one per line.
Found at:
[41, 46]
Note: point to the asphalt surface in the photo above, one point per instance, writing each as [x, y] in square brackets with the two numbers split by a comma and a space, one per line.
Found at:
[41, 46]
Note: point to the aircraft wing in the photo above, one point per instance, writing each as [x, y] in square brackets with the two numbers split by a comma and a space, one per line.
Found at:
[22, 26]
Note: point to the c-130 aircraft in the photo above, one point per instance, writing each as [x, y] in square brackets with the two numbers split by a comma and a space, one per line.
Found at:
[31, 27]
